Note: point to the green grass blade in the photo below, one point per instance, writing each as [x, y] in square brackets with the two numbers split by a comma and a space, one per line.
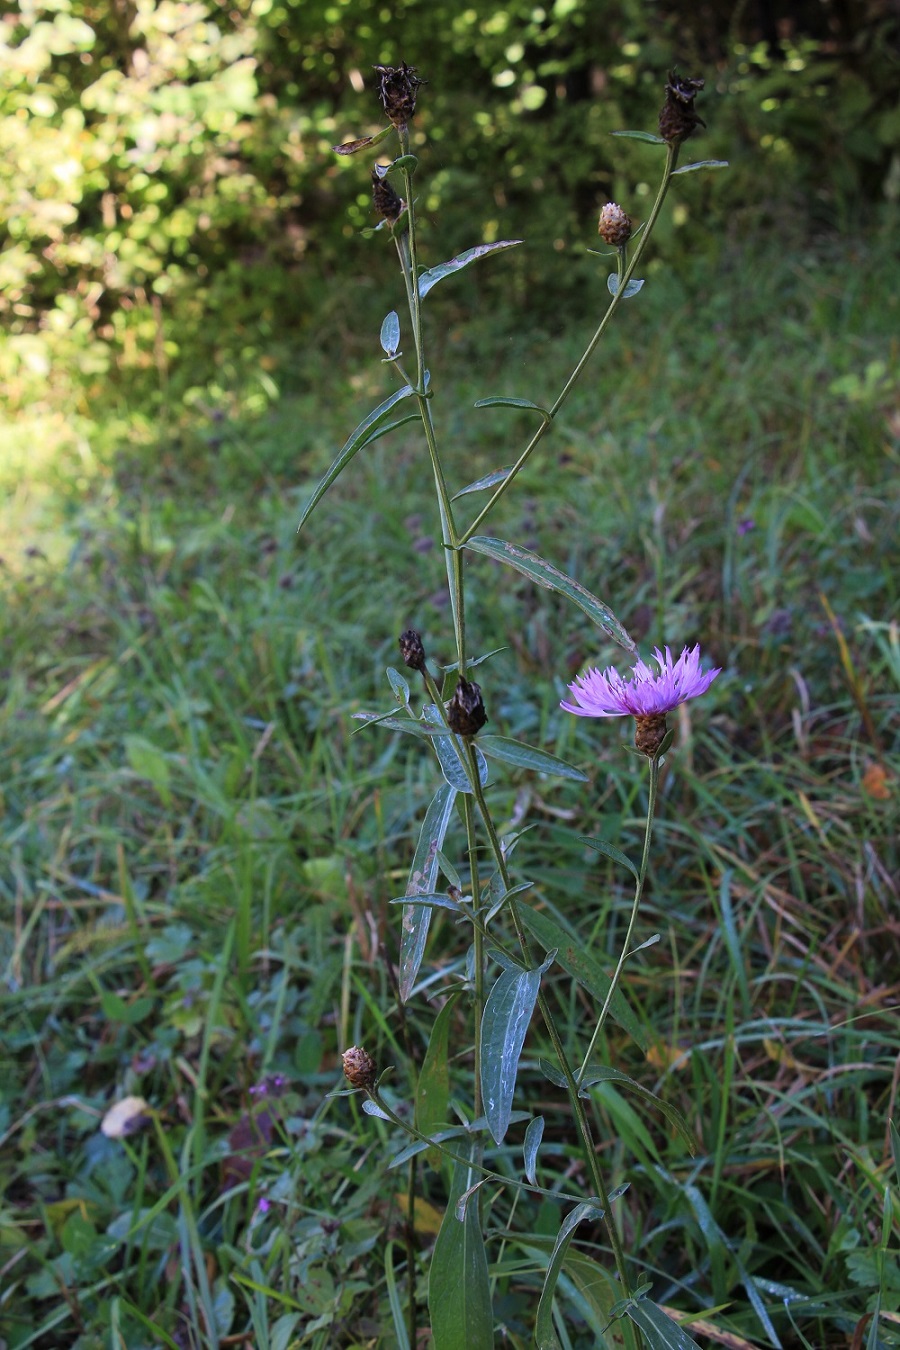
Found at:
[459, 1292]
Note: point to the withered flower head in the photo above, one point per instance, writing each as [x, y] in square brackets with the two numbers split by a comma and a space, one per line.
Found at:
[614, 226]
[397, 87]
[678, 120]
[359, 1067]
[386, 201]
[466, 714]
[412, 650]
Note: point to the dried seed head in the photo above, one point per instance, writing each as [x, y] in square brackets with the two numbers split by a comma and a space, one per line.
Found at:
[649, 733]
[678, 120]
[359, 1067]
[412, 650]
[386, 201]
[397, 87]
[466, 714]
[614, 226]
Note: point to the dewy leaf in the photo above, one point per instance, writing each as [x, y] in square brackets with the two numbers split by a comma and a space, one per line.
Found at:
[533, 1136]
[435, 274]
[528, 757]
[702, 164]
[604, 1074]
[490, 480]
[659, 1331]
[545, 574]
[351, 147]
[572, 956]
[520, 403]
[612, 285]
[544, 1334]
[390, 333]
[358, 439]
[504, 1023]
[459, 1291]
[640, 136]
[422, 878]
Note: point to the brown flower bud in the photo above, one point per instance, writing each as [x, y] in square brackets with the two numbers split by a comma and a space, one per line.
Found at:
[386, 201]
[397, 90]
[359, 1067]
[466, 714]
[678, 120]
[614, 226]
[649, 733]
[412, 650]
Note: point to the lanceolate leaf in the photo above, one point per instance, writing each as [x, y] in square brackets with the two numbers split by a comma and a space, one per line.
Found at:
[459, 1292]
[361, 435]
[435, 274]
[449, 750]
[433, 1087]
[612, 285]
[528, 757]
[604, 1074]
[702, 164]
[533, 1136]
[520, 403]
[640, 136]
[481, 484]
[422, 878]
[545, 574]
[574, 958]
[544, 1336]
[610, 851]
[364, 143]
[390, 333]
[503, 1026]
[659, 1331]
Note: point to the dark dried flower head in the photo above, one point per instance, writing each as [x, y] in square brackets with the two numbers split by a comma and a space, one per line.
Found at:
[359, 1067]
[678, 120]
[397, 90]
[386, 201]
[614, 226]
[466, 714]
[412, 650]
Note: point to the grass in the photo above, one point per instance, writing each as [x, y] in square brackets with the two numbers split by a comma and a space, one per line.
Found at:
[200, 852]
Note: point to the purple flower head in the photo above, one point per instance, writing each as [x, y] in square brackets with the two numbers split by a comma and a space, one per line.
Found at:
[646, 693]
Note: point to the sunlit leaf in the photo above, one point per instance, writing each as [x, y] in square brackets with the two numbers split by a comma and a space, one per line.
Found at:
[702, 164]
[435, 274]
[390, 333]
[545, 574]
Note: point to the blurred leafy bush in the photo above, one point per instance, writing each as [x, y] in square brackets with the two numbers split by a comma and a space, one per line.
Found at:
[173, 212]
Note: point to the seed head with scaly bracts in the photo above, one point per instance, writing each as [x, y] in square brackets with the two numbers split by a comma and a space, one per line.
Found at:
[678, 119]
[397, 89]
[614, 226]
[359, 1067]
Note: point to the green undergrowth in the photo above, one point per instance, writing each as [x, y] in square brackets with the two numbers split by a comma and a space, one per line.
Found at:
[200, 845]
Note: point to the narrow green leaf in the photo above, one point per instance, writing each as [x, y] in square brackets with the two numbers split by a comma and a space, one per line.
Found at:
[422, 878]
[701, 164]
[528, 757]
[434, 901]
[459, 1291]
[640, 136]
[544, 1335]
[435, 274]
[387, 427]
[574, 958]
[400, 686]
[533, 1136]
[520, 403]
[504, 1024]
[476, 661]
[433, 1087]
[545, 574]
[610, 851]
[481, 484]
[632, 288]
[499, 900]
[390, 333]
[605, 1074]
[451, 754]
[409, 725]
[357, 440]
[398, 1314]
[658, 1328]
[373, 1109]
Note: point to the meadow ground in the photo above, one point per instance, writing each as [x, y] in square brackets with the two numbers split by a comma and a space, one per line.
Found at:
[200, 847]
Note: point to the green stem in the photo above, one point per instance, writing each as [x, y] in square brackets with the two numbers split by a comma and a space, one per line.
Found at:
[478, 945]
[626, 945]
[624, 278]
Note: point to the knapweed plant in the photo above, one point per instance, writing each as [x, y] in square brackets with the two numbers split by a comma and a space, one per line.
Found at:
[498, 984]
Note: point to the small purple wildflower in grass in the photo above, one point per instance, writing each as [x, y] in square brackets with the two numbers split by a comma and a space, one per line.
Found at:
[263, 1205]
[647, 696]
[607, 694]
[746, 525]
